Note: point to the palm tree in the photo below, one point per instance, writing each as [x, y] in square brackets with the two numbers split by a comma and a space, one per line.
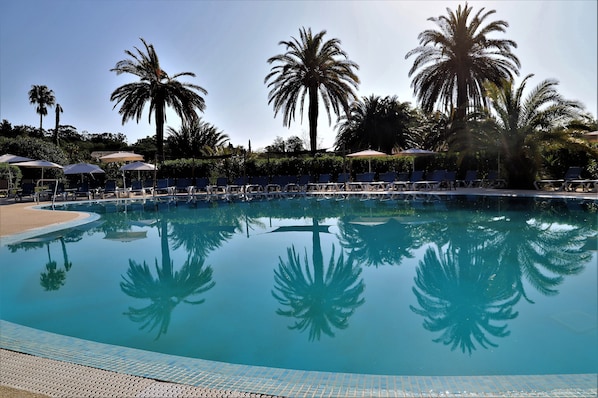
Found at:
[196, 137]
[311, 67]
[455, 62]
[59, 110]
[158, 88]
[523, 126]
[376, 123]
[43, 97]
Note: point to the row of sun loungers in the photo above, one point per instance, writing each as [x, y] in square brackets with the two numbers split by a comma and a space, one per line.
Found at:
[263, 186]
[571, 182]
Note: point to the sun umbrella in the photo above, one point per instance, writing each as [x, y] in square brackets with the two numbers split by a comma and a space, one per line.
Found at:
[9, 158]
[40, 164]
[415, 152]
[591, 136]
[367, 153]
[125, 236]
[139, 166]
[121, 157]
[82, 168]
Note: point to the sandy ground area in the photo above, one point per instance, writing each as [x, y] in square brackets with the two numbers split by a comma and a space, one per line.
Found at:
[16, 218]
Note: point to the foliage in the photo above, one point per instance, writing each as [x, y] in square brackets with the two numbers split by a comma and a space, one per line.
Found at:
[522, 126]
[293, 144]
[195, 138]
[314, 68]
[375, 123]
[34, 148]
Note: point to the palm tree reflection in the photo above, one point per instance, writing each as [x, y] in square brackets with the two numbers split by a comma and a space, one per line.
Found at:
[320, 299]
[477, 278]
[53, 278]
[167, 290]
[463, 293]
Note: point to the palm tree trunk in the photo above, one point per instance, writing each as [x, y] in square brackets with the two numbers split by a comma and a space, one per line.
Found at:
[160, 130]
[313, 119]
[317, 256]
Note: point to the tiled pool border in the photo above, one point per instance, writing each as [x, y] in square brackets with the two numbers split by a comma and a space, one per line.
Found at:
[283, 382]
[273, 381]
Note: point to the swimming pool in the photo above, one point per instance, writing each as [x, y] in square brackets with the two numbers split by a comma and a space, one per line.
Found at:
[457, 286]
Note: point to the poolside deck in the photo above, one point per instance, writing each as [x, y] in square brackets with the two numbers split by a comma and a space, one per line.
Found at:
[31, 376]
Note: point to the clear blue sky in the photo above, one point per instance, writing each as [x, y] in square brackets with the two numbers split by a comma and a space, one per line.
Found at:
[71, 45]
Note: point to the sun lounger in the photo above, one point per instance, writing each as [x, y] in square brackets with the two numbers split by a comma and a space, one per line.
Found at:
[572, 174]
[257, 186]
[493, 181]
[219, 188]
[341, 183]
[401, 184]
[385, 181]
[470, 180]
[237, 187]
[184, 185]
[362, 182]
[320, 184]
[110, 188]
[432, 182]
[82, 190]
[27, 191]
[163, 186]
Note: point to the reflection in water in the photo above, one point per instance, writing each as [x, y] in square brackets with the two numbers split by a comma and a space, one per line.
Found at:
[319, 299]
[167, 290]
[53, 278]
[478, 276]
[481, 260]
[463, 294]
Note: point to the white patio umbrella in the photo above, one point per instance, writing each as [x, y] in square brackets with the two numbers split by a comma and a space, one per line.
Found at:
[9, 158]
[82, 168]
[121, 157]
[367, 153]
[39, 164]
[416, 152]
[591, 136]
[139, 166]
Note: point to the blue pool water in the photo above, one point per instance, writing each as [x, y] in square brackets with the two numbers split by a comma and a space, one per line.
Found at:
[457, 286]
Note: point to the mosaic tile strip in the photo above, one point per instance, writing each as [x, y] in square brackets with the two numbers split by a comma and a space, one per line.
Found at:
[283, 382]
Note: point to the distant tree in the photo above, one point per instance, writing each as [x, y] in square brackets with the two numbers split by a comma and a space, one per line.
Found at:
[195, 138]
[5, 128]
[380, 123]
[294, 144]
[43, 97]
[59, 110]
[455, 61]
[158, 88]
[311, 67]
[277, 146]
[146, 147]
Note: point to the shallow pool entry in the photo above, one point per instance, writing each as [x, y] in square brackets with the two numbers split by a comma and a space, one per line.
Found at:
[451, 286]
